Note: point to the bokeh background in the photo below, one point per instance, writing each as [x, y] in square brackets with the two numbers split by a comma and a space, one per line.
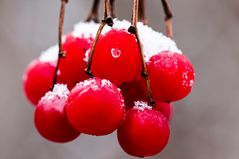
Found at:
[204, 126]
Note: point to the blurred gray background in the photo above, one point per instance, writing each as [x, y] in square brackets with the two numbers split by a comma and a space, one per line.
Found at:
[204, 126]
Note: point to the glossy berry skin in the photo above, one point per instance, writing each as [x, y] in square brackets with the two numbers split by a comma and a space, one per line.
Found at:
[134, 91]
[51, 120]
[171, 76]
[95, 107]
[37, 80]
[143, 133]
[73, 65]
[165, 108]
[117, 57]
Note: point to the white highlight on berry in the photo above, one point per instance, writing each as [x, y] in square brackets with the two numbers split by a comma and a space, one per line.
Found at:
[141, 105]
[115, 53]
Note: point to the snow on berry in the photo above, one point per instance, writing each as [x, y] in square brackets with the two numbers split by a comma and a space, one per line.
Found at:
[85, 30]
[152, 41]
[141, 105]
[50, 116]
[50, 55]
[95, 107]
[171, 76]
[37, 80]
[59, 90]
[144, 132]
[155, 42]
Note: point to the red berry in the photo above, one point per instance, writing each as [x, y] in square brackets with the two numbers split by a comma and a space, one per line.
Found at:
[171, 76]
[73, 65]
[37, 80]
[144, 132]
[95, 107]
[165, 108]
[134, 91]
[117, 57]
[50, 116]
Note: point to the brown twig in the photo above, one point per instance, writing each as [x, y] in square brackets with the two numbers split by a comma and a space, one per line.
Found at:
[93, 16]
[61, 54]
[134, 30]
[168, 17]
[112, 4]
[142, 16]
[106, 20]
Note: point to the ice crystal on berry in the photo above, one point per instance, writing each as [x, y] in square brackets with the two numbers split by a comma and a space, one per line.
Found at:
[141, 105]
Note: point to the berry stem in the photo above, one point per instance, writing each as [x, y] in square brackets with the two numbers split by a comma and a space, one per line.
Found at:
[112, 3]
[168, 18]
[134, 30]
[93, 16]
[61, 54]
[142, 16]
[106, 20]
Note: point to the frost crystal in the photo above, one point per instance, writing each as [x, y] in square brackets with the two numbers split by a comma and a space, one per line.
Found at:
[106, 83]
[140, 105]
[59, 90]
[87, 84]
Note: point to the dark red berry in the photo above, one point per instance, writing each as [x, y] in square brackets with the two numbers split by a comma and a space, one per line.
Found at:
[134, 91]
[165, 108]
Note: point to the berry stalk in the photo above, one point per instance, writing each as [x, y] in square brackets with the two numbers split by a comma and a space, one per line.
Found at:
[61, 54]
[93, 16]
[168, 17]
[142, 16]
[134, 30]
[106, 20]
[112, 3]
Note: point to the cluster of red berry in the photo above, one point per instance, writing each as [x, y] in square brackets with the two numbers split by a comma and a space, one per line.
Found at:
[97, 106]
[114, 97]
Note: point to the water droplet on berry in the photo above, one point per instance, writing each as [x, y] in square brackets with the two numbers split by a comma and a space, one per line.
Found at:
[115, 52]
